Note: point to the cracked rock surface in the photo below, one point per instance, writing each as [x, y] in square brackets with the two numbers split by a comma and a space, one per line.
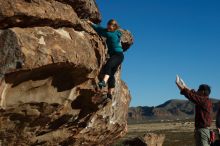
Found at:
[50, 63]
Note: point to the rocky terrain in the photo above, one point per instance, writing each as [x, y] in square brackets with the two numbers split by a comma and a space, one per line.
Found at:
[177, 133]
[170, 110]
[50, 63]
[149, 139]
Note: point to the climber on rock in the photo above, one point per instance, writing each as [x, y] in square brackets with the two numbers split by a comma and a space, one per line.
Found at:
[115, 51]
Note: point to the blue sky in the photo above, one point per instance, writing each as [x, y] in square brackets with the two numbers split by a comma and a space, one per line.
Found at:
[171, 37]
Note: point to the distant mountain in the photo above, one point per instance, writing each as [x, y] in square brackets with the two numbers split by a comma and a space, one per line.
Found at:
[170, 110]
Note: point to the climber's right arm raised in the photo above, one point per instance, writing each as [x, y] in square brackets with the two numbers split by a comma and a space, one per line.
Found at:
[99, 29]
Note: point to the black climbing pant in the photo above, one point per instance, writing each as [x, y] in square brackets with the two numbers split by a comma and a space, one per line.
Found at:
[111, 67]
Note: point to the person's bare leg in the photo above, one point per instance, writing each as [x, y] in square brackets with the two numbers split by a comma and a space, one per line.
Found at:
[106, 77]
[104, 81]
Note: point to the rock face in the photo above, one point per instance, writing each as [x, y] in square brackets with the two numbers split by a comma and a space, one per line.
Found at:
[137, 141]
[149, 139]
[50, 62]
[126, 39]
[24, 13]
[85, 9]
[152, 139]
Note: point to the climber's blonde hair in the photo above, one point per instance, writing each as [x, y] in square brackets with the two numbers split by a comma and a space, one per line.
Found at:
[115, 23]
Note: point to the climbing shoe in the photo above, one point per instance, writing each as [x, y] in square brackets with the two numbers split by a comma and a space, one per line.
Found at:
[102, 84]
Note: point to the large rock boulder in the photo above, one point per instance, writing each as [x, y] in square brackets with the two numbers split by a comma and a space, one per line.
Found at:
[152, 139]
[50, 61]
[127, 39]
[85, 9]
[137, 141]
[41, 46]
[149, 139]
[28, 13]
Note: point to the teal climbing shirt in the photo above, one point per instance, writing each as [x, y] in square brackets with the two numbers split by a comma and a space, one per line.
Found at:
[113, 39]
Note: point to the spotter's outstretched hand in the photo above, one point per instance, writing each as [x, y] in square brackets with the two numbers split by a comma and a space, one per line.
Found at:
[180, 83]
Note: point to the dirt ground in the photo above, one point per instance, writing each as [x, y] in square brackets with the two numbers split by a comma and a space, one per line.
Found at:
[178, 133]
